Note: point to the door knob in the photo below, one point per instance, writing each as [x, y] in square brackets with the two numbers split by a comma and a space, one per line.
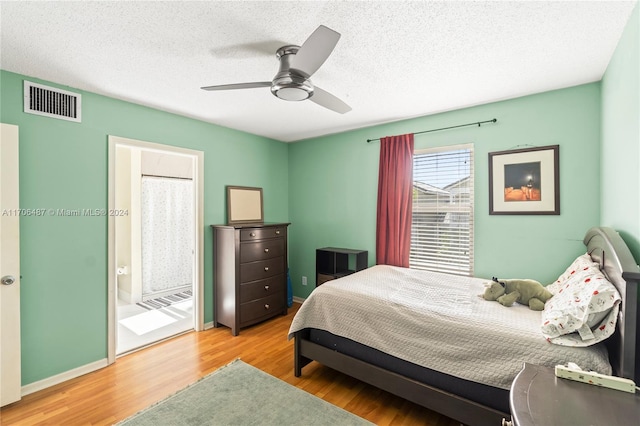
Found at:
[8, 280]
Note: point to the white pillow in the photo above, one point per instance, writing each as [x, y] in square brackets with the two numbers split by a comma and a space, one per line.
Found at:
[583, 310]
[581, 266]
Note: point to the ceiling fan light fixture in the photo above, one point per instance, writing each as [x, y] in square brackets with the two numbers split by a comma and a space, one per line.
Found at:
[293, 94]
[292, 89]
[297, 64]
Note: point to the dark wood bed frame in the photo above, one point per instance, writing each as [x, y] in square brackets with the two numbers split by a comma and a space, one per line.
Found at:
[605, 247]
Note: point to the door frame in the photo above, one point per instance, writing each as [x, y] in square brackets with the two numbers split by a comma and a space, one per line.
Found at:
[10, 347]
[198, 162]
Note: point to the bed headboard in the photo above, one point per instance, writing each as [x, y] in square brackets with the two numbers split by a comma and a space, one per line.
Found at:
[607, 248]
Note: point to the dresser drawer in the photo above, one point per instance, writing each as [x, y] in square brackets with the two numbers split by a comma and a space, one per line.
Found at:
[250, 234]
[261, 250]
[263, 288]
[254, 271]
[265, 307]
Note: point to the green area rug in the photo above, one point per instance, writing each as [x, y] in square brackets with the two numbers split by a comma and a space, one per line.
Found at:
[239, 394]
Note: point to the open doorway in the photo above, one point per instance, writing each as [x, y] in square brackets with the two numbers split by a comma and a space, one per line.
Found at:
[155, 247]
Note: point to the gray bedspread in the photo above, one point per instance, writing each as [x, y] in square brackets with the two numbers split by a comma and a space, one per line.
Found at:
[438, 321]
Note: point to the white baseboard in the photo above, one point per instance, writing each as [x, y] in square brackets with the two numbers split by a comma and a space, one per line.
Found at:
[208, 325]
[298, 299]
[63, 377]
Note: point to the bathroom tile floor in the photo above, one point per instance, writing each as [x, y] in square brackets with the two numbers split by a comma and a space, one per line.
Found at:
[139, 327]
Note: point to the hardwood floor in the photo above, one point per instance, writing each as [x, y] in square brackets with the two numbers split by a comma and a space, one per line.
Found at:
[139, 379]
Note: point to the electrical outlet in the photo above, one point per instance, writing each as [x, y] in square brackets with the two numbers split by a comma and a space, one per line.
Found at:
[304, 280]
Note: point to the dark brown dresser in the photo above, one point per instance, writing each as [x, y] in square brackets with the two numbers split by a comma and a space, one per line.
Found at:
[250, 273]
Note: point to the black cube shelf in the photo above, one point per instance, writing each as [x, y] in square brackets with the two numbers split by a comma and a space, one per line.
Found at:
[332, 263]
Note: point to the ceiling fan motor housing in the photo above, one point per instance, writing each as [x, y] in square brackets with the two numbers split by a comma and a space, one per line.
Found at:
[288, 84]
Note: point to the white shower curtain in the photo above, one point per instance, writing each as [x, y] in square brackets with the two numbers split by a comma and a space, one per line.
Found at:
[167, 233]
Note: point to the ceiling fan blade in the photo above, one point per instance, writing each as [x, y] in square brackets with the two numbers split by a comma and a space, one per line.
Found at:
[238, 86]
[327, 100]
[248, 50]
[315, 50]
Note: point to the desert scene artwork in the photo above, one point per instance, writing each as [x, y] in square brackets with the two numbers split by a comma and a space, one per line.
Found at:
[522, 182]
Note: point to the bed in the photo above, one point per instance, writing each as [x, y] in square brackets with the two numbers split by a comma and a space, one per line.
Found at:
[431, 338]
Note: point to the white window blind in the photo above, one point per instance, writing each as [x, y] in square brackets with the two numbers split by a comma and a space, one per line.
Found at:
[442, 223]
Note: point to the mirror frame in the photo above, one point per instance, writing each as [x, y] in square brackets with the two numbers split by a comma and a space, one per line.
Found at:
[244, 205]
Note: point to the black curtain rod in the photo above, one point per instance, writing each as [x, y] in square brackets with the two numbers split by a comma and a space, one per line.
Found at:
[478, 123]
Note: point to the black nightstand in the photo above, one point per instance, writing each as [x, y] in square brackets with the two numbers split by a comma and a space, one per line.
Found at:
[538, 397]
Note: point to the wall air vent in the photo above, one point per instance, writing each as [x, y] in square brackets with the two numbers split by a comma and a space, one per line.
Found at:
[52, 102]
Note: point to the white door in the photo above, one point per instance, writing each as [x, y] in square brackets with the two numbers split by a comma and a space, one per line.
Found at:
[10, 370]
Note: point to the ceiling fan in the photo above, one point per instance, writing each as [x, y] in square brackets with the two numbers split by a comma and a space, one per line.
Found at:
[297, 65]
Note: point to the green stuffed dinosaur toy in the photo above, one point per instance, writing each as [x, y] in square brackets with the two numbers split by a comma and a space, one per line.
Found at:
[526, 292]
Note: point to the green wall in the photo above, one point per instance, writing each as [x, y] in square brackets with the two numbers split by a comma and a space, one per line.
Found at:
[63, 165]
[620, 151]
[327, 188]
[333, 184]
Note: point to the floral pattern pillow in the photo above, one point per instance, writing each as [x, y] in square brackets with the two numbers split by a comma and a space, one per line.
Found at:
[584, 308]
[583, 265]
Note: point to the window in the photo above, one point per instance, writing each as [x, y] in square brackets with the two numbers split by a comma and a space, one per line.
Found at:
[442, 223]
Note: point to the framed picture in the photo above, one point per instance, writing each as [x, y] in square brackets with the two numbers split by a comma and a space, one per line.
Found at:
[244, 205]
[524, 181]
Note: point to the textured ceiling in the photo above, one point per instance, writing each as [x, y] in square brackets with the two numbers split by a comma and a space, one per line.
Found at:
[395, 60]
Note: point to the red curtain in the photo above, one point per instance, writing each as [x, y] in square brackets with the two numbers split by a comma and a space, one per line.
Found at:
[395, 192]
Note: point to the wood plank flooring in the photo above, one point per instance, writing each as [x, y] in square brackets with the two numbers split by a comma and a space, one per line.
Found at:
[139, 379]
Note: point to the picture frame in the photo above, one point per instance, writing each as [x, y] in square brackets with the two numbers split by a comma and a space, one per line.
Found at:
[244, 205]
[525, 181]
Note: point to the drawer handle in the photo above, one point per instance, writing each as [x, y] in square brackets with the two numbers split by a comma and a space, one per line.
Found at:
[266, 306]
[277, 232]
[266, 250]
[266, 268]
[252, 234]
[266, 287]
